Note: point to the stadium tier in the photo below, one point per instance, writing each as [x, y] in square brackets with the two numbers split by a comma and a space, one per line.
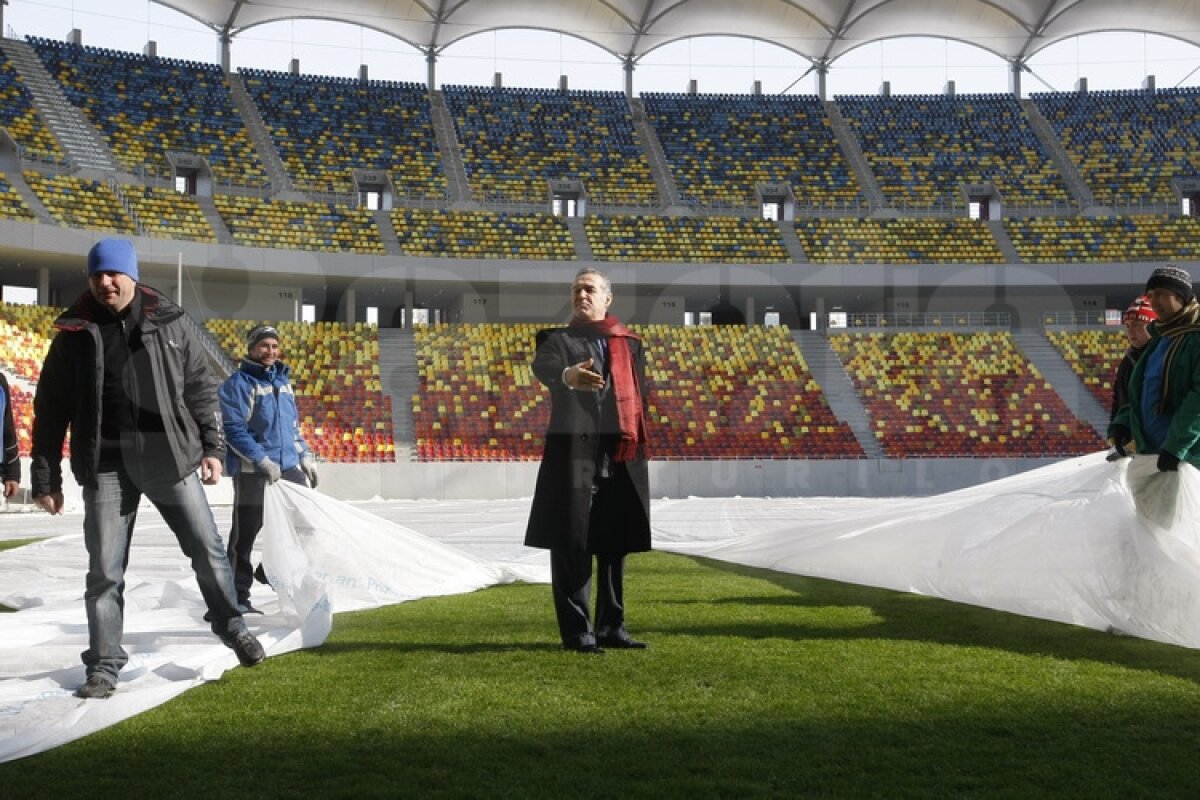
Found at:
[922, 149]
[720, 147]
[1128, 145]
[898, 241]
[482, 234]
[721, 239]
[951, 394]
[299, 225]
[714, 392]
[728, 392]
[514, 141]
[1152, 237]
[80, 202]
[325, 128]
[167, 214]
[147, 106]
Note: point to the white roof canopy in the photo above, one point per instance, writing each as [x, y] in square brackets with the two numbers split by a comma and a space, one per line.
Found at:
[818, 30]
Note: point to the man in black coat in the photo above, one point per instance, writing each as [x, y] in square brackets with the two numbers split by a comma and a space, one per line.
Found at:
[593, 487]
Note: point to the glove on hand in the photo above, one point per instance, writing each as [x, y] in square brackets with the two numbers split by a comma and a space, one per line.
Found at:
[308, 465]
[1120, 437]
[1168, 462]
[269, 468]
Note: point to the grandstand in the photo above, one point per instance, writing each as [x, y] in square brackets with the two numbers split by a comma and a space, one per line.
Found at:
[948, 259]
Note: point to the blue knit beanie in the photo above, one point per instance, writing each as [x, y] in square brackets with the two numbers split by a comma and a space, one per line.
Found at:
[113, 255]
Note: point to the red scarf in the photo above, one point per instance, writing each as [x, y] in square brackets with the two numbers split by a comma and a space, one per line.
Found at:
[628, 392]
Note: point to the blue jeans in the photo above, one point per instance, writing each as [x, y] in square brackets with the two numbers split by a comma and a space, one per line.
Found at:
[110, 511]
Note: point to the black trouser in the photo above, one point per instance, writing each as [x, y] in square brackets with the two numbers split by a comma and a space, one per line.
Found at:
[248, 488]
[571, 584]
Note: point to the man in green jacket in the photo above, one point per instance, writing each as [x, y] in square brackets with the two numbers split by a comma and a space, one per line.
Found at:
[1162, 413]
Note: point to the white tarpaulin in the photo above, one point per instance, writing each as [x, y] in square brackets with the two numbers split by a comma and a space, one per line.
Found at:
[1082, 541]
[322, 556]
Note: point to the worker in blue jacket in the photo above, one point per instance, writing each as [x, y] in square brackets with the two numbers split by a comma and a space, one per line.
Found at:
[262, 434]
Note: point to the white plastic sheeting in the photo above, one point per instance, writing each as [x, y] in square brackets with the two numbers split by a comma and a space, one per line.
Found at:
[322, 556]
[1082, 541]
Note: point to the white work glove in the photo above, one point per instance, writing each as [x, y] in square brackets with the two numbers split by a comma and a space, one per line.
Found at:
[269, 468]
[308, 465]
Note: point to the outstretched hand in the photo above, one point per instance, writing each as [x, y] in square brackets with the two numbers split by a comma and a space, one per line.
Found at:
[581, 377]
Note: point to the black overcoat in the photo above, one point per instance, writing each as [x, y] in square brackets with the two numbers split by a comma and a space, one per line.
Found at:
[562, 500]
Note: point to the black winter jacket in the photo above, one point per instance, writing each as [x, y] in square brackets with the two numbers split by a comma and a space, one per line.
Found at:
[10, 463]
[72, 381]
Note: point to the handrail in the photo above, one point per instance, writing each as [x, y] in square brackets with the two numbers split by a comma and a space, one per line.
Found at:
[925, 320]
[223, 365]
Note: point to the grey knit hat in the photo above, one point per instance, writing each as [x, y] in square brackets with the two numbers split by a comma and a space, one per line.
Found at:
[1174, 279]
[260, 332]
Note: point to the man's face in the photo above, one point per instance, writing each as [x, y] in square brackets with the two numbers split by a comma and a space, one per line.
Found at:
[1165, 303]
[113, 290]
[1136, 333]
[590, 298]
[265, 351]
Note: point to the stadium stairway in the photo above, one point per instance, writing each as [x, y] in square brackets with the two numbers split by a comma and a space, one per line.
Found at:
[458, 187]
[1058, 373]
[214, 218]
[387, 231]
[787, 232]
[855, 158]
[1062, 162]
[83, 145]
[664, 181]
[281, 181]
[829, 373]
[583, 248]
[1004, 241]
[398, 378]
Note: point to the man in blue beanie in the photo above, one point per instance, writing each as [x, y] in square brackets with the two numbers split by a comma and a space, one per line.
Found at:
[126, 374]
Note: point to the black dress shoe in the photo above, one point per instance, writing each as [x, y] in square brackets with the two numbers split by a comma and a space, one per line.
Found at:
[589, 649]
[621, 643]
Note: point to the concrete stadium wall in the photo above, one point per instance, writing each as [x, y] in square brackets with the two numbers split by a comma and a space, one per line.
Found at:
[456, 480]
[746, 478]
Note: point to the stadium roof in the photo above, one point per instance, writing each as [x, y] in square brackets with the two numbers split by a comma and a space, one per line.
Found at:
[819, 30]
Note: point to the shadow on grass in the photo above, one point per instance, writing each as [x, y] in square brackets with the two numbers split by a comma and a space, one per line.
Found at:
[1085, 754]
[912, 617]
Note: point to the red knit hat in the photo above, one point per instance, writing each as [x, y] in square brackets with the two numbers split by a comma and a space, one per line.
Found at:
[1140, 310]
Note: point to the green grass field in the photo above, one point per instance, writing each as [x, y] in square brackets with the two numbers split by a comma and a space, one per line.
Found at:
[756, 684]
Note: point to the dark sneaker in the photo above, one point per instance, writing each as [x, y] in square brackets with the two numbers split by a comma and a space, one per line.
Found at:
[248, 650]
[97, 687]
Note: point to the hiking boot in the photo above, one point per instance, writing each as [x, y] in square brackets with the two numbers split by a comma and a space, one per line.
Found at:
[249, 651]
[97, 687]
